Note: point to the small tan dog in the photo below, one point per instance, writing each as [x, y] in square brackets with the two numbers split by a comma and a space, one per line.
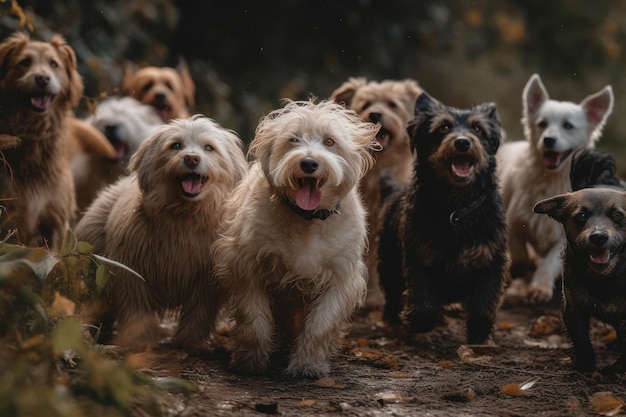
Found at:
[124, 123]
[390, 103]
[39, 85]
[161, 221]
[290, 252]
[171, 91]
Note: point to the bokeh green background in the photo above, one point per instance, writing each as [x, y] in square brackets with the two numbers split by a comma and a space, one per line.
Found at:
[247, 55]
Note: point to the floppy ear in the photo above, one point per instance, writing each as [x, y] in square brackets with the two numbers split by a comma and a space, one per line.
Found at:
[189, 87]
[141, 161]
[554, 207]
[345, 93]
[493, 138]
[8, 48]
[534, 95]
[75, 90]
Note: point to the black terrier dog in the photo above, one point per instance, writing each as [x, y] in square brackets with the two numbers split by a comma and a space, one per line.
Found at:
[592, 168]
[444, 235]
[594, 266]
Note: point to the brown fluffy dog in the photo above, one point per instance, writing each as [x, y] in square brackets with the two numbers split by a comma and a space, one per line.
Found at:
[39, 85]
[161, 221]
[290, 251]
[391, 104]
[170, 91]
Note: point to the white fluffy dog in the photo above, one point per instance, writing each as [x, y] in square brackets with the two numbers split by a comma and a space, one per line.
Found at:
[126, 123]
[161, 221]
[290, 252]
[539, 168]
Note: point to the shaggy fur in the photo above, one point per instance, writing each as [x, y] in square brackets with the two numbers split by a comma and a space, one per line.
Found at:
[293, 237]
[539, 168]
[171, 91]
[39, 85]
[444, 235]
[125, 123]
[161, 221]
[594, 266]
[390, 103]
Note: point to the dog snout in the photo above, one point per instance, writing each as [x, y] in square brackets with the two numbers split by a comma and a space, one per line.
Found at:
[598, 238]
[111, 131]
[309, 165]
[192, 160]
[462, 144]
[549, 142]
[375, 117]
[160, 96]
[42, 80]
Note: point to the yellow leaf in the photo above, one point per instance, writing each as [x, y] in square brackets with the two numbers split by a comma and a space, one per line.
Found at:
[507, 325]
[610, 336]
[512, 389]
[306, 403]
[605, 404]
[445, 363]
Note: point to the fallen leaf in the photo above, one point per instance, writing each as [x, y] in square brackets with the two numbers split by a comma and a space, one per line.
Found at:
[444, 363]
[610, 336]
[545, 325]
[328, 382]
[467, 354]
[306, 403]
[463, 396]
[518, 389]
[507, 325]
[605, 404]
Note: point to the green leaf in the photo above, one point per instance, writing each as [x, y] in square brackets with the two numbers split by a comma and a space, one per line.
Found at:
[69, 243]
[68, 335]
[102, 276]
[84, 248]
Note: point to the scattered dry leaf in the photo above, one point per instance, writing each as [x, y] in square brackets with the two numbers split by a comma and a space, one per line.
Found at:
[306, 403]
[507, 325]
[328, 382]
[467, 354]
[463, 396]
[364, 342]
[545, 325]
[610, 336]
[444, 363]
[605, 404]
[518, 390]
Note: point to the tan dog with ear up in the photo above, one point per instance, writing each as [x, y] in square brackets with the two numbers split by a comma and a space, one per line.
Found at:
[170, 91]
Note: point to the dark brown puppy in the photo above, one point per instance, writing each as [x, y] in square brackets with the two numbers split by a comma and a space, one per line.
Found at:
[594, 264]
[444, 235]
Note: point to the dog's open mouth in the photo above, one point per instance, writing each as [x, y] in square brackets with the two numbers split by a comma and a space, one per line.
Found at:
[309, 194]
[600, 258]
[383, 137]
[120, 147]
[553, 159]
[162, 109]
[41, 101]
[462, 168]
[191, 184]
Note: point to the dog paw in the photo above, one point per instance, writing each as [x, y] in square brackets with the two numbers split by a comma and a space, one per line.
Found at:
[248, 363]
[307, 370]
[539, 294]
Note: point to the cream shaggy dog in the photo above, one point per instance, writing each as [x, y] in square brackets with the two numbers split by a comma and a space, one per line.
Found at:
[161, 221]
[539, 168]
[125, 122]
[390, 103]
[290, 253]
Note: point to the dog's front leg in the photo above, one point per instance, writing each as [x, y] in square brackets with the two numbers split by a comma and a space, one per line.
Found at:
[198, 317]
[254, 328]
[322, 325]
[425, 309]
[483, 306]
[577, 325]
[542, 284]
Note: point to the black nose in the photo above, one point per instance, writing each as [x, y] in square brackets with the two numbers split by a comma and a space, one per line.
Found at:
[598, 238]
[192, 160]
[309, 165]
[42, 80]
[549, 141]
[462, 144]
[375, 117]
[111, 131]
[159, 96]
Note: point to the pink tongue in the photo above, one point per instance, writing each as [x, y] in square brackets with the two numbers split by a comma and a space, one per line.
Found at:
[601, 258]
[462, 169]
[191, 185]
[308, 196]
[120, 150]
[551, 159]
[164, 114]
[39, 102]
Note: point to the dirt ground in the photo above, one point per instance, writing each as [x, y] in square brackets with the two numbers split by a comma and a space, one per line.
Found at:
[380, 371]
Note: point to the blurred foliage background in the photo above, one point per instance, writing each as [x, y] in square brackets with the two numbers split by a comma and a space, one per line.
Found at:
[246, 55]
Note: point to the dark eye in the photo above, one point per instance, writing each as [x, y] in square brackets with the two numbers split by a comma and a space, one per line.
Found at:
[567, 125]
[329, 142]
[445, 128]
[176, 146]
[294, 140]
[365, 106]
[24, 62]
[581, 217]
[542, 124]
[392, 105]
[208, 148]
[54, 64]
[169, 86]
[617, 216]
[147, 86]
[477, 129]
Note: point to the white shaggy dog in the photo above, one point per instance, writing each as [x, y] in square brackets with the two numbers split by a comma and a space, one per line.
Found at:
[290, 252]
[126, 123]
[539, 168]
[161, 221]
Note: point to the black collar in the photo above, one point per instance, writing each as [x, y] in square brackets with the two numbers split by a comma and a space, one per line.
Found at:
[311, 214]
[457, 215]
